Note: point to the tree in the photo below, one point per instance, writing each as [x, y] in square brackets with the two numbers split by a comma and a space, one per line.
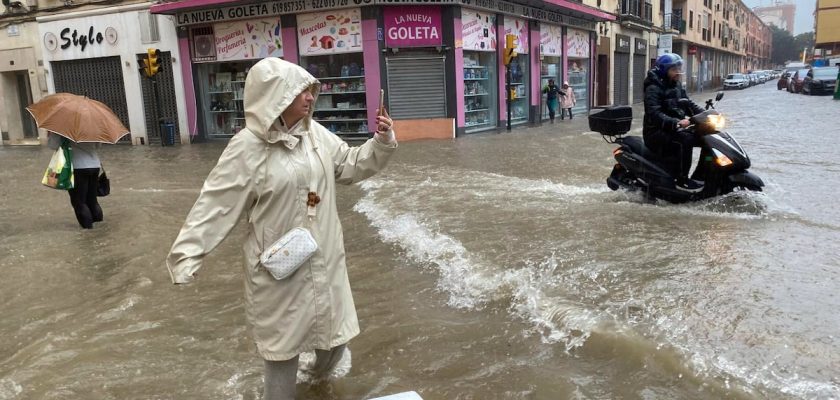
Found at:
[784, 46]
[804, 41]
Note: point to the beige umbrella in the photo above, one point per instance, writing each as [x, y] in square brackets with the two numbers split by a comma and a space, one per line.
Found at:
[78, 118]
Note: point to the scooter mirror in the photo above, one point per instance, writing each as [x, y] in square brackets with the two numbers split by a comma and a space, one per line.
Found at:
[719, 96]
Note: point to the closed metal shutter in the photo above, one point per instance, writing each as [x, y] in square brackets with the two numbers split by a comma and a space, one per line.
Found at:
[97, 78]
[166, 91]
[416, 87]
[621, 79]
[639, 73]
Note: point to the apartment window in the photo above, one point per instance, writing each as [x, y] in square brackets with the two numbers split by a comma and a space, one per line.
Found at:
[691, 20]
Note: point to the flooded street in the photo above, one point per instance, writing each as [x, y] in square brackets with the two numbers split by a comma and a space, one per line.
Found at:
[489, 267]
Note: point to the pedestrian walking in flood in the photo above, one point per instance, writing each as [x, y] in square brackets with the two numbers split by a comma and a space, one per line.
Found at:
[281, 172]
[86, 167]
[551, 91]
[567, 101]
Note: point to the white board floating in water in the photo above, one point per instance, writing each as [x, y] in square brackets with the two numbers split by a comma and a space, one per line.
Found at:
[401, 396]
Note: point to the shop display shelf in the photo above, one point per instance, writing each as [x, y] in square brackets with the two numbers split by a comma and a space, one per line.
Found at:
[348, 92]
[516, 83]
[548, 77]
[475, 67]
[475, 79]
[332, 78]
[478, 109]
[477, 94]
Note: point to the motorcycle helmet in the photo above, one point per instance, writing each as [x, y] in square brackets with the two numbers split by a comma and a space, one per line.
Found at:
[666, 62]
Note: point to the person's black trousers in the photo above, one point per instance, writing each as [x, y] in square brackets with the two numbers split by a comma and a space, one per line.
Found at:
[83, 196]
[675, 150]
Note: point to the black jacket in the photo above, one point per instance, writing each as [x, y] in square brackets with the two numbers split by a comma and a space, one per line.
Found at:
[662, 112]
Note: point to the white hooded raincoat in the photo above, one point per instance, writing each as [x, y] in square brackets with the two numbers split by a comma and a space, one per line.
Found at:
[264, 173]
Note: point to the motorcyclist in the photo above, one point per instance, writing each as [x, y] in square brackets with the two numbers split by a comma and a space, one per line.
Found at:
[665, 119]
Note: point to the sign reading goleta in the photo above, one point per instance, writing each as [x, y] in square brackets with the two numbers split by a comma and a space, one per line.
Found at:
[303, 6]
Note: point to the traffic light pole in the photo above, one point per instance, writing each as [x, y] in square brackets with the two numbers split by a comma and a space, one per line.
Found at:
[507, 94]
[158, 110]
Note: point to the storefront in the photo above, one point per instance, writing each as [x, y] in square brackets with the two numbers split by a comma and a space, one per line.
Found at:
[95, 53]
[440, 64]
[21, 83]
[416, 71]
[331, 48]
[222, 54]
[579, 67]
[551, 60]
[480, 68]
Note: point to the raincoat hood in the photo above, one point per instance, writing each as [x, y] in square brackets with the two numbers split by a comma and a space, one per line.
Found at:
[271, 86]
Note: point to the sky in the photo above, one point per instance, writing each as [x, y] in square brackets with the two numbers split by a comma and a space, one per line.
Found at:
[804, 21]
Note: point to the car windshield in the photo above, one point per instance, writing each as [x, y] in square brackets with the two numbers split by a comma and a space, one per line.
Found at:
[735, 76]
[825, 73]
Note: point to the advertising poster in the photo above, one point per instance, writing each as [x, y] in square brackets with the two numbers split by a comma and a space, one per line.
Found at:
[551, 40]
[479, 30]
[243, 40]
[518, 27]
[577, 43]
[412, 26]
[333, 32]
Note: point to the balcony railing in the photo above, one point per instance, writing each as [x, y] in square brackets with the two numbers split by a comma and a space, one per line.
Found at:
[674, 22]
[637, 11]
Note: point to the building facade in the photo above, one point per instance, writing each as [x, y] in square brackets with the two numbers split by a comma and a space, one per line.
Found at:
[782, 15]
[716, 38]
[91, 51]
[827, 28]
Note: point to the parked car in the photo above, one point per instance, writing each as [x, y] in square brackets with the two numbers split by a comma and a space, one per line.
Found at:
[820, 81]
[795, 84]
[753, 79]
[736, 81]
[783, 80]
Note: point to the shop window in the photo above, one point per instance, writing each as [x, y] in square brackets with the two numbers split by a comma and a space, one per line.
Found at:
[480, 96]
[221, 88]
[341, 106]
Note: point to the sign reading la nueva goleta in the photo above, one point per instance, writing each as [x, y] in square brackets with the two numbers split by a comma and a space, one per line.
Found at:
[248, 11]
[413, 26]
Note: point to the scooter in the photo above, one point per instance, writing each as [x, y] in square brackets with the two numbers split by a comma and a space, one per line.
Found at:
[722, 167]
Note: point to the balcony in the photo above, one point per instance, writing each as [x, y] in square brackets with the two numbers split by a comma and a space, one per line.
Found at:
[636, 13]
[673, 23]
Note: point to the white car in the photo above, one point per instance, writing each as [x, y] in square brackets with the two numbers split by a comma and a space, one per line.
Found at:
[736, 81]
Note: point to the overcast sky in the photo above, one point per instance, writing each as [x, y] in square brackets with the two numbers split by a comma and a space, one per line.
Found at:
[804, 13]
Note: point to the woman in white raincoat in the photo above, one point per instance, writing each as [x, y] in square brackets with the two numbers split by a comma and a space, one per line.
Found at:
[266, 174]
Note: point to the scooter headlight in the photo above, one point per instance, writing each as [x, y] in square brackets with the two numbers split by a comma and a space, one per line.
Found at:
[721, 159]
[717, 121]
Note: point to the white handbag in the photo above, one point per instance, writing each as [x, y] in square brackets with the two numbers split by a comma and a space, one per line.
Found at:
[288, 253]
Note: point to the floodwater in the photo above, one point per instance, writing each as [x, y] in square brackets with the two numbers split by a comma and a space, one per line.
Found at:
[496, 266]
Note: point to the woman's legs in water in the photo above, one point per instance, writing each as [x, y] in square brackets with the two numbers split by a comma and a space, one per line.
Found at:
[281, 376]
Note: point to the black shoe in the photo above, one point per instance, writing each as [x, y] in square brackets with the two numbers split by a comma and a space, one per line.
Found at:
[689, 185]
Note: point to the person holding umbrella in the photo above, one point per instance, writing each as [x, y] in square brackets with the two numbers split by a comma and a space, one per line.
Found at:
[86, 166]
[84, 123]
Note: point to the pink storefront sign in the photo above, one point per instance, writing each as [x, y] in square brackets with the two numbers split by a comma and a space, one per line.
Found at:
[413, 26]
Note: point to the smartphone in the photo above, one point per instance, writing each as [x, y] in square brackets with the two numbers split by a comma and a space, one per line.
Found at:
[381, 102]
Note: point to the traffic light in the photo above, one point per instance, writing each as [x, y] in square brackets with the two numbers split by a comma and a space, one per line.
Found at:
[510, 48]
[154, 62]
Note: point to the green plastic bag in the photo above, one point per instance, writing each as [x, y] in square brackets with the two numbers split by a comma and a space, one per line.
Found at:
[59, 173]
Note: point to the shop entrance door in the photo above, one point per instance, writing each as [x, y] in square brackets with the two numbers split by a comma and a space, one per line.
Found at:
[621, 78]
[603, 79]
[97, 78]
[30, 130]
[416, 86]
[639, 73]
